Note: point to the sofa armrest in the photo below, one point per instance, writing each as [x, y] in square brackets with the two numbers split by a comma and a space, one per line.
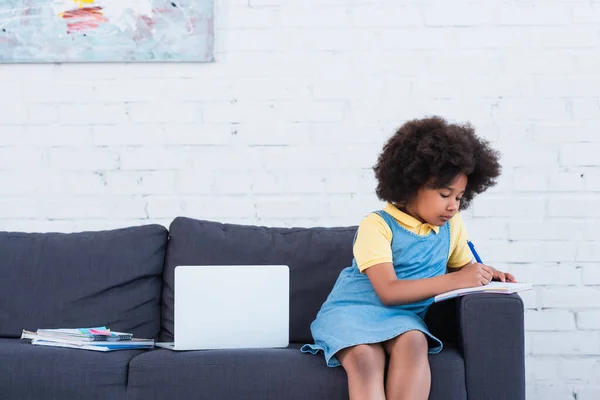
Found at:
[491, 338]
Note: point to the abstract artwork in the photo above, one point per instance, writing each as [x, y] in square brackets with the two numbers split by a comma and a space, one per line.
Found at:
[106, 30]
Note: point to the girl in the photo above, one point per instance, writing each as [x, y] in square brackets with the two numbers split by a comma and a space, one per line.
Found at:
[427, 172]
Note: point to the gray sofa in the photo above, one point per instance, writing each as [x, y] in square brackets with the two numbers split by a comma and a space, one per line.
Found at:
[123, 279]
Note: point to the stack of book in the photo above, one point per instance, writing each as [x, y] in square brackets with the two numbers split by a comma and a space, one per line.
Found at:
[95, 339]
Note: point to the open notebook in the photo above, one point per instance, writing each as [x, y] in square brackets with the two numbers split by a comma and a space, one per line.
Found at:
[492, 287]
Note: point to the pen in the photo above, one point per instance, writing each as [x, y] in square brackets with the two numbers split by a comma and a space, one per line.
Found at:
[472, 247]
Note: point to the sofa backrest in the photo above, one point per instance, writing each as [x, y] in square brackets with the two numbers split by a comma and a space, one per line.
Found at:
[315, 257]
[60, 280]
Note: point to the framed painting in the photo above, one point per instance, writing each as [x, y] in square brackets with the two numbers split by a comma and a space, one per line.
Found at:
[37, 31]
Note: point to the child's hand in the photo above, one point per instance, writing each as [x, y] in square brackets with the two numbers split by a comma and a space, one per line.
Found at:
[502, 276]
[473, 275]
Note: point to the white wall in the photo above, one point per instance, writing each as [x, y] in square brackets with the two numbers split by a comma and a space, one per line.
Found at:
[284, 127]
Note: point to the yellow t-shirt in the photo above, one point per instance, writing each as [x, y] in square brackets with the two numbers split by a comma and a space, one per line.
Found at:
[374, 238]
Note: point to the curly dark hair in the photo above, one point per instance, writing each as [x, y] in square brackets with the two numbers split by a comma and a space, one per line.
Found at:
[432, 152]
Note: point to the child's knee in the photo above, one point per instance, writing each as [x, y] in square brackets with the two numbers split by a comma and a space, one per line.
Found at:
[408, 342]
[363, 359]
[415, 338]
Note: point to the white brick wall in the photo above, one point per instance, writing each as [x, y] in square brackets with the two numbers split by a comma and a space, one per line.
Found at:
[284, 127]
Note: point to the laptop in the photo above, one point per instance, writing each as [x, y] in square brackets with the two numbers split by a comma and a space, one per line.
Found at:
[230, 307]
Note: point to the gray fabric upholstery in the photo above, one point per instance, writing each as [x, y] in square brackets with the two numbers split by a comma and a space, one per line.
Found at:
[263, 375]
[57, 280]
[447, 375]
[441, 319]
[491, 336]
[234, 374]
[315, 257]
[30, 372]
[115, 277]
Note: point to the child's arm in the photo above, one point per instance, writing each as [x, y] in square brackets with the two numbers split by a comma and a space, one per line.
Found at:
[392, 291]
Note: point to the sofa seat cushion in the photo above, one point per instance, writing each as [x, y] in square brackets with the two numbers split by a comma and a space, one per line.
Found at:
[29, 372]
[260, 374]
[83, 279]
[264, 374]
[447, 375]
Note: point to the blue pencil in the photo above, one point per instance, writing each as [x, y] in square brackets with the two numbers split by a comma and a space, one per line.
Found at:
[472, 247]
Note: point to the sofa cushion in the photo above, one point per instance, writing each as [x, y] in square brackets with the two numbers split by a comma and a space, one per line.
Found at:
[448, 380]
[315, 257]
[260, 374]
[29, 372]
[264, 374]
[70, 280]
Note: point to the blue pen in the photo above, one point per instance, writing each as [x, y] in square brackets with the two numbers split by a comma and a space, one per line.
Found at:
[472, 247]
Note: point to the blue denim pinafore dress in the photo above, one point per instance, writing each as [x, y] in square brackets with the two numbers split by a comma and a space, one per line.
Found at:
[353, 314]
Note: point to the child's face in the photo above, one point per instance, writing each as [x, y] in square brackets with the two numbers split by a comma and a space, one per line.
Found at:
[437, 206]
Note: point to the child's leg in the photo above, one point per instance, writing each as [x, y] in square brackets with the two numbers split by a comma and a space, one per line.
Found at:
[365, 366]
[409, 376]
